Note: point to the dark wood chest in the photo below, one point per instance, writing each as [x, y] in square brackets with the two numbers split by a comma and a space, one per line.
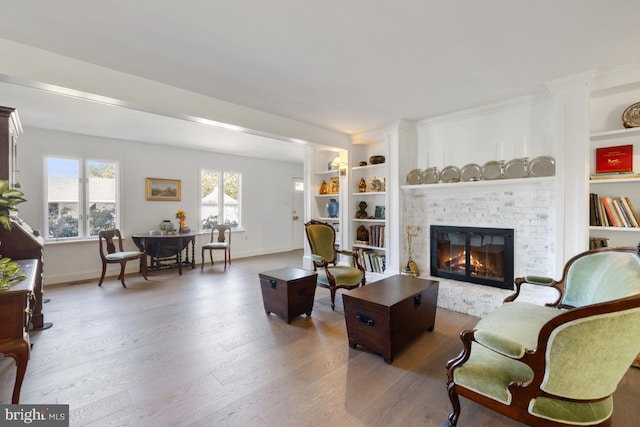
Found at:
[387, 315]
[288, 292]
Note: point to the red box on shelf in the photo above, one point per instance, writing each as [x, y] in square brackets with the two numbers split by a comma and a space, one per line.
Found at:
[618, 159]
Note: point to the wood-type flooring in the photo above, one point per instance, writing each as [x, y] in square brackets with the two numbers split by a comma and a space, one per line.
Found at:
[199, 350]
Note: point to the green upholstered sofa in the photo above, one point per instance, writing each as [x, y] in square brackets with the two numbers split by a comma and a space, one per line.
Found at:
[559, 364]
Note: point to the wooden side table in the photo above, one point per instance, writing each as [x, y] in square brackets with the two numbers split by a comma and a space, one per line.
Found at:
[387, 315]
[288, 292]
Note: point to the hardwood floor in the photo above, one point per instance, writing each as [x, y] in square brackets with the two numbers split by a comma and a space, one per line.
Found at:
[200, 350]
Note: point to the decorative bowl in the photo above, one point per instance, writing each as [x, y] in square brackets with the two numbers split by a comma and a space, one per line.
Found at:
[376, 160]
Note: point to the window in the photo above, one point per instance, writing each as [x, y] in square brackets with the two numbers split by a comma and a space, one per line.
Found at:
[219, 189]
[81, 197]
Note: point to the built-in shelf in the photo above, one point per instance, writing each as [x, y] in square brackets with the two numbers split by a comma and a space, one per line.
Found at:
[327, 172]
[333, 195]
[376, 220]
[622, 229]
[616, 133]
[361, 246]
[482, 183]
[370, 193]
[613, 181]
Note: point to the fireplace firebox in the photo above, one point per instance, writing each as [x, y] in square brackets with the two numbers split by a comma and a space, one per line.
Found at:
[470, 254]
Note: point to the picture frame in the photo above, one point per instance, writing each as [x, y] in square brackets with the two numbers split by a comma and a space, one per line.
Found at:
[334, 185]
[166, 190]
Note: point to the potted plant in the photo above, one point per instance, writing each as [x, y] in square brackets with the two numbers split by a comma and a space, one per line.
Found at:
[9, 199]
[9, 273]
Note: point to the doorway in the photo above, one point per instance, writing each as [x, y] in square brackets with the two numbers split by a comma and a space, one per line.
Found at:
[297, 216]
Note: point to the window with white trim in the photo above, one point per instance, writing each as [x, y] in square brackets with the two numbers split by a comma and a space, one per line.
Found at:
[81, 197]
[218, 188]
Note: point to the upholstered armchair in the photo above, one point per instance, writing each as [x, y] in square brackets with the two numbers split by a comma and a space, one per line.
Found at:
[559, 364]
[322, 241]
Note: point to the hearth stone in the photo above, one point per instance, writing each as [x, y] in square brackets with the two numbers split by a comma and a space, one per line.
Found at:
[479, 300]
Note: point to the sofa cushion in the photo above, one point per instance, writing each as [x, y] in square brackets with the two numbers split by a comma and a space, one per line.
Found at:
[517, 323]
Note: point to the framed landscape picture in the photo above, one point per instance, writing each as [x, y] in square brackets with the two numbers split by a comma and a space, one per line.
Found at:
[163, 189]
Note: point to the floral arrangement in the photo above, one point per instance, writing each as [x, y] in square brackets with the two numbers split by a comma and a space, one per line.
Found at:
[181, 216]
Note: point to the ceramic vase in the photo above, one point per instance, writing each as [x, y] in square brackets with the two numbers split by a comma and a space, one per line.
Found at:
[332, 208]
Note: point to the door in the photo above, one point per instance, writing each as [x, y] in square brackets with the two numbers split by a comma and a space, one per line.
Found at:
[297, 216]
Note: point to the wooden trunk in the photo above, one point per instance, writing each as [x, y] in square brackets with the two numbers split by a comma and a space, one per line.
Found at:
[387, 315]
[288, 292]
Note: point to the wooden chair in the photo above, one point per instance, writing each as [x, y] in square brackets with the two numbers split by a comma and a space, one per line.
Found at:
[555, 365]
[112, 254]
[220, 242]
[322, 241]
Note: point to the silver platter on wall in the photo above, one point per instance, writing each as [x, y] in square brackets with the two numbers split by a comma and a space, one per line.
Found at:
[542, 166]
[450, 174]
[492, 170]
[430, 176]
[471, 172]
[516, 168]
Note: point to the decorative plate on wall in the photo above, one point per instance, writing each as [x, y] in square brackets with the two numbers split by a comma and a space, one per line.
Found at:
[414, 177]
[431, 176]
[450, 174]
[492, 170]
[376, 185]
[471, 172]
[516, 168]
[542, 166]
[631, 116]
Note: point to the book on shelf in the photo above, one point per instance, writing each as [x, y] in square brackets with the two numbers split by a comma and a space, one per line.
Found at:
[373, 262]
[612, 212]
[614, 159]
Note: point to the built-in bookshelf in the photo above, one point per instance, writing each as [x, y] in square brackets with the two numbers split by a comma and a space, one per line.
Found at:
[368, 201]
[614, 199]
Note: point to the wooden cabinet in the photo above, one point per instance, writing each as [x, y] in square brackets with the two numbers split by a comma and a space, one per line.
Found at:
[16, 307]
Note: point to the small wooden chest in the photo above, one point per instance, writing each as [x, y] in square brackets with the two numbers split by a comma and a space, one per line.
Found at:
[385, 316]
[288, 292]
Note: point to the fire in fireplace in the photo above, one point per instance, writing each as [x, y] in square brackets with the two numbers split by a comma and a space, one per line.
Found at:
[471, 254]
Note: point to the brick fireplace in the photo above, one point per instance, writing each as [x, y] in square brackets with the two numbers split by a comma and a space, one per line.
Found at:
[527, 206]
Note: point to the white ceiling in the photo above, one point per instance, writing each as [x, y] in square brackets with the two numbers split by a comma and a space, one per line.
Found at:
[349, 65]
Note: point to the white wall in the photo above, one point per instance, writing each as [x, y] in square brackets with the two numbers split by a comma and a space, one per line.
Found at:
[266, 195]
[480, 135]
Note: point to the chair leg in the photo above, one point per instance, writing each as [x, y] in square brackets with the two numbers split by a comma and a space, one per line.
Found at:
[333, 298]
[104, 270]
[202, 265]
[225, 260]
[121, 277]
[143, 267]
[455, 402]
[229, 250]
